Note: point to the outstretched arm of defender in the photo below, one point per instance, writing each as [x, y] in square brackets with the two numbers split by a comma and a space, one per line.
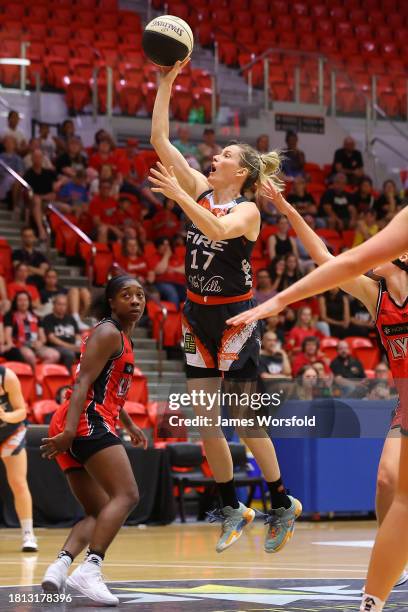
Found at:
[192, 181]
[363, 288]
[385, 246]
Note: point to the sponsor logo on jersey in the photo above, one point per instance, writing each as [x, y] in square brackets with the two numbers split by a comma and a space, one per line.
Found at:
[128, 368]
[189, 343]
[233, 356]
[397, 329]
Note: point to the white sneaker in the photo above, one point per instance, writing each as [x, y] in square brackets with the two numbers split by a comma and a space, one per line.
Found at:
[55, 577]
[29, 543]
[87, 579]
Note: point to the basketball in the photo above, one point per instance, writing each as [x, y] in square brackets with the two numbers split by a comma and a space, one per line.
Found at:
[167, 39]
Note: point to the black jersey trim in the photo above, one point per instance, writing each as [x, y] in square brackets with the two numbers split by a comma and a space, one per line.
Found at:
[205, 193]
[382, 287]
[118, 327]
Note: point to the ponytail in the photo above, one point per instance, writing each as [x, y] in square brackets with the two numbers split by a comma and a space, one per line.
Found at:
[261, 167]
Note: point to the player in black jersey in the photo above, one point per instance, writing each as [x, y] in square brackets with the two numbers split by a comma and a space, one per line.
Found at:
[220, 237]
[13, 454]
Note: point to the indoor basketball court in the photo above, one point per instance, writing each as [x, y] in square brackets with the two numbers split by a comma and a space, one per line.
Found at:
[175, 568]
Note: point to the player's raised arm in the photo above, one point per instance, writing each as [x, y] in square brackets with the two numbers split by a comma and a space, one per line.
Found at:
[362, 287]
[192, 181]
[385, 246]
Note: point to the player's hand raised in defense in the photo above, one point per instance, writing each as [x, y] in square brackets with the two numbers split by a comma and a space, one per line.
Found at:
[270, 191]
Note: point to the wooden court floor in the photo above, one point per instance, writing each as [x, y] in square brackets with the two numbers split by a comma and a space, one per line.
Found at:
[326, 560]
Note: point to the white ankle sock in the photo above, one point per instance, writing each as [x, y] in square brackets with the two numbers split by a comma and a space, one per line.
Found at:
[370, 603]
[94, 559]
[27, 526]
[65, 558]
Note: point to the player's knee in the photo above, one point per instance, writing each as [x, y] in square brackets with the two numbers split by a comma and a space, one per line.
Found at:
[132, 498]
[18, 485]
[386, 482]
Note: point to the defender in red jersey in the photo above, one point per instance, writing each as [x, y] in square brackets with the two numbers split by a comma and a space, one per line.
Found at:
[84, 441]
[387, 302]
[222, 230]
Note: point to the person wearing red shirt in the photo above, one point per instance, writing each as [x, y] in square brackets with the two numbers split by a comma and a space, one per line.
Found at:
[135, 169]
[102, 209]
[304, 327]
[105, 155]
[169, 269]
[127, 217]
[21, 274]
[310, 354]
[133, 261]
[166, 222]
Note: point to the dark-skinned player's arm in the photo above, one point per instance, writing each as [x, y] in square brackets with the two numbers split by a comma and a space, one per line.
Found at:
[13, 388]
[136, 434]
[191, 180]
[104, 342]
[363, 288]
[237, 223]
[390, 243]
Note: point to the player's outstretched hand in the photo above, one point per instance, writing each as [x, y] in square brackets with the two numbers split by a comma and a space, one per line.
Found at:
[169, 75]
[267, 309]
[270, 191]
[137, 437]
[58, 444]
[165, 182]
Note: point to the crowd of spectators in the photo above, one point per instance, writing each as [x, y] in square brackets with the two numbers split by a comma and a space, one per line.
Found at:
[103, 189]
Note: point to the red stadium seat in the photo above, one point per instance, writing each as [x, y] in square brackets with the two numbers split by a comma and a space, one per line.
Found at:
[84, 19]
[102, 263]
[60, 32]
[52, 377]
[130, 98]
[85, 34]
[57, 70]
[139, 414]
[38, 12]
[328, 346]
[368, 355]
[110, 20]
[26, 378]
[78, 93]
[227, 52]
[42, 410]
[182, 103]
[138, 391]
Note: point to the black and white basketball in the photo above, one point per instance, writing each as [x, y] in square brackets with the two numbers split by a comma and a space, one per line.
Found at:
[167, 39]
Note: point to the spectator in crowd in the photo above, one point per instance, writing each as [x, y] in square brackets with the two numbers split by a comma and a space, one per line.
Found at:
[280, 244]
[324, 380]
[387, 204]
[28, 159]
[22, 330]
[105, 155]
[65, 132]
[50, 290]
[36, 262]
[79, 302]
[61, 331]
[73, 195]
[305, 262]
[382, 372]
[277, 271]
[264, 286]
[294, 160]
[106, 173]
[186, 147]
[135, 170]
[169, 270]
[207, 149]
[4, 301]
[306, 384]
[44, 186]
[166, 222]
[301, 199]
[380, 391]
[69, 162]
[127, 217]
[363, 198]
[274, 324]
[349, 161]
[309, 355]
[47, 141]
[366, 227]
[13, 119]
[292, 270]
[348, 371]
[274, 362]
[361, 322]
[7, 350]
[303, 329]
[10, 188]
[336, 206]
[133, 261]
[20, 284]
[334, 309]
[102, 209]
[262, 143]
